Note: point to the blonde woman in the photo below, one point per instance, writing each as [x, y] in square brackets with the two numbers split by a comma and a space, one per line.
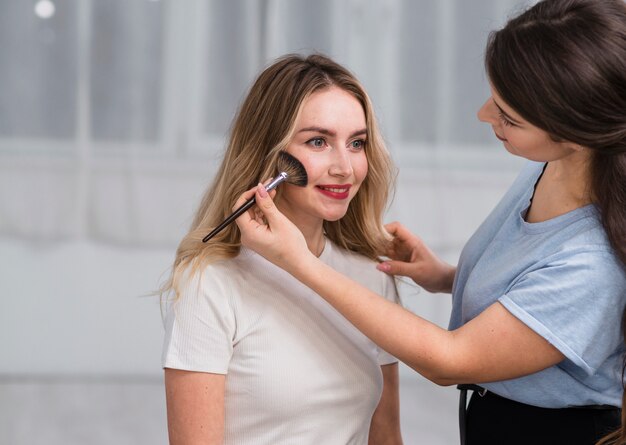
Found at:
[251, 356]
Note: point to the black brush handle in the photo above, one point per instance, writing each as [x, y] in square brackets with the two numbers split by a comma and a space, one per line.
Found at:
[230, 219]
[272, 185]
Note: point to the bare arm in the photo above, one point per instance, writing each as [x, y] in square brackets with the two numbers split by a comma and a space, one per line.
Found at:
[385, 426]
[195, 407]
[494, 346]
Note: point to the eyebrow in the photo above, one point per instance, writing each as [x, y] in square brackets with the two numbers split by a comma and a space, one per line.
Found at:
[515, 121]
[331, 133]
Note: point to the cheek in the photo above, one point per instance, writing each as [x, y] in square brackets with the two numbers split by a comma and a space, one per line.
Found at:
[305, 159]
[314, 168]
[360, 167]
[520, 140]
[359, 170]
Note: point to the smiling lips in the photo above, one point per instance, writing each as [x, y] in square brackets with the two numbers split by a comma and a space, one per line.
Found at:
[335, 191]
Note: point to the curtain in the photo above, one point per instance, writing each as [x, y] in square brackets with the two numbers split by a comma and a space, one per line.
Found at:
[114, 114]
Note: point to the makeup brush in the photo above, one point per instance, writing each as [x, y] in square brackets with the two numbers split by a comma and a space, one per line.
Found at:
[291, 171]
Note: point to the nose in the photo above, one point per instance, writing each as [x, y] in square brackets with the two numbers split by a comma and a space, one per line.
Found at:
[488, 113]
[341, 164]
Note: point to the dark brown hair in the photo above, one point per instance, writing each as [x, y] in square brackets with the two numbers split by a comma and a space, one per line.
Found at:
[562, 66]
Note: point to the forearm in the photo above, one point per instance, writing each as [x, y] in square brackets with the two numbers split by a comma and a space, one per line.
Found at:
[385, 424]
[493, 346]
[417, 342]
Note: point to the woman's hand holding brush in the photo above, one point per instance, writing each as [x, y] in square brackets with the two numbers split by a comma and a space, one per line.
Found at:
[291, 171]
[268, 232]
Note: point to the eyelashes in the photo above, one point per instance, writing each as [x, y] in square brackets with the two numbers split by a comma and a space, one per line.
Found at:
[505, 121]
[360, 142]
[316, 142]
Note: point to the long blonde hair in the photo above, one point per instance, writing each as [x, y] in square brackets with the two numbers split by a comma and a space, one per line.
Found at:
[263, 127]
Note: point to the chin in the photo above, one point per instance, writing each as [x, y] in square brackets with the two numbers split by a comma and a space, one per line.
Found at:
[332, 217]
[333, 212]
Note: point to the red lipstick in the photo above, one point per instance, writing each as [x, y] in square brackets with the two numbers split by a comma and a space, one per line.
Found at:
[335, 191]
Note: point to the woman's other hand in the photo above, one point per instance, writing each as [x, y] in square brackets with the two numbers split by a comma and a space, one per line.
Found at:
[268, 232]
[410, 257]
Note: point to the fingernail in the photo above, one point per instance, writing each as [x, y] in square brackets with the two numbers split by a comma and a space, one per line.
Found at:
[383, 266]
[262, 191]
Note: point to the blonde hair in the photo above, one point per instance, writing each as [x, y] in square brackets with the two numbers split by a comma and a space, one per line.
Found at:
[263, 127]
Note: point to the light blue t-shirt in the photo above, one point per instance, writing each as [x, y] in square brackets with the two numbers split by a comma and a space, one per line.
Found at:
[562, 279]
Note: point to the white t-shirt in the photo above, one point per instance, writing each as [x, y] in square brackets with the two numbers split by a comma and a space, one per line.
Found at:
[297, 372]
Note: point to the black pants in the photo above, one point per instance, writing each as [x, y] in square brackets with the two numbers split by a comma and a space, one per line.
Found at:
[492, 419]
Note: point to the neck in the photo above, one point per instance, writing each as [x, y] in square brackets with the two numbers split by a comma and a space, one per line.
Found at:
[563, 187]
[571, 178]
[311, 228]
[314, 238]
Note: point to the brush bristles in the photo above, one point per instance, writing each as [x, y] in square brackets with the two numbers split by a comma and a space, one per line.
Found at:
[296, 173]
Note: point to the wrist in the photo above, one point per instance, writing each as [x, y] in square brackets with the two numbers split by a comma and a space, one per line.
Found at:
[300, 264]
[449, 272]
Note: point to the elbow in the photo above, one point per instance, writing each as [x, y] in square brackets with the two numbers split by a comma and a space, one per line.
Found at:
[446, 372]
[448, 365]
[441, 380]
[438, 377]
[444, 382]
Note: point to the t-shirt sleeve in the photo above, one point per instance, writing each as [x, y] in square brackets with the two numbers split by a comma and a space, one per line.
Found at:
[575, 301]
[200, 327]
[390, 292]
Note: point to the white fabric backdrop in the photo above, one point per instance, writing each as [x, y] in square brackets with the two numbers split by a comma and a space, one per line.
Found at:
[114, 113]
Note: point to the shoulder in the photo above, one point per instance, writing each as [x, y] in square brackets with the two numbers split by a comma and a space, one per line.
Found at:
[591, 258]
[245, 282]
[346, 261]
[213, 279]
[583, 267]
[224, 269]
[361, 269]
[583, 236]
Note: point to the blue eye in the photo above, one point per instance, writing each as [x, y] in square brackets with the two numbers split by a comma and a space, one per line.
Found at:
[358, 144]
[316, 142]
